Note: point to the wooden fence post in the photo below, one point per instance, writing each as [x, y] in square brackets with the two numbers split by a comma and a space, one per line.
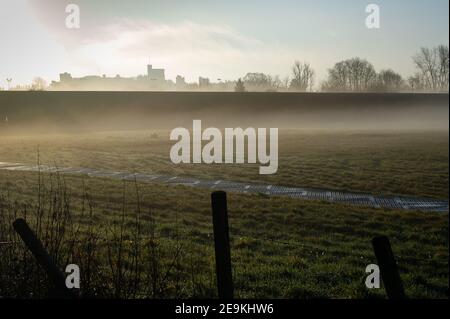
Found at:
[388, 268]
[222, 245]
[43, 258]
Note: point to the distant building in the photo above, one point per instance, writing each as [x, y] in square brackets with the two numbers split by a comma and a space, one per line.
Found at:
[203, 82]
[65, 77]
[180, 81]
[154, 80]
[156, 75]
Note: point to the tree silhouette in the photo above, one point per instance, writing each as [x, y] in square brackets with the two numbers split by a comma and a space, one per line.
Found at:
[433, 68]
[302, 77]
[261, 82]
[388, 80]
[9, 80]
[354, 74]
[239, 86]
[39, 84]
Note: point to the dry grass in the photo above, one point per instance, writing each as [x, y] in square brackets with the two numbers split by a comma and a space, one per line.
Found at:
[142, 240]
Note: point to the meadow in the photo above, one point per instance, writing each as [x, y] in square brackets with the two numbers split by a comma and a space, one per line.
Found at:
[137, 240]
[155, 241]
[374, 161]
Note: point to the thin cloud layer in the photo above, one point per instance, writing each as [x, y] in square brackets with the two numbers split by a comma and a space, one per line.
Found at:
[126, 46]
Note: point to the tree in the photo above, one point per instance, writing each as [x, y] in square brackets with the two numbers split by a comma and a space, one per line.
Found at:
[433, 67]
[261, 82]
[415, 82]
[302, 77]
[275, 83]
[38, 84]
[355, 74]
[388, 80]
[239, 86]
[285, 83]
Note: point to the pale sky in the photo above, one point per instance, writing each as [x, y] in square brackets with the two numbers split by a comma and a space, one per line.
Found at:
[209, 38]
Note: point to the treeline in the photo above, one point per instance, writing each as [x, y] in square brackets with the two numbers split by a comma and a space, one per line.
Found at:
[351, 75]
[359, 75]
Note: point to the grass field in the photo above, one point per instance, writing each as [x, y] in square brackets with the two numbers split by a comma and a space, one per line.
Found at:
[378, 162]
[144, 240]
[280, 247]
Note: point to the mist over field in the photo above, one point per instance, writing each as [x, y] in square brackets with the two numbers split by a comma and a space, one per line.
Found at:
[195, 150]
[392, 145]
[49, 112]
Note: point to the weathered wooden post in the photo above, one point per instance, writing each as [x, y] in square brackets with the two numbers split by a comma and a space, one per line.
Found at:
[222, 245]
[43, 258]
[388, 268]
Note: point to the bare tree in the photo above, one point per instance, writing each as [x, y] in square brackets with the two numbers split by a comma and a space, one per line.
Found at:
[302, 77]
[9, 80]
[355, 74]
[285, 83]
[433, 67]
[275, 83]
[443, 73]
[261, 82]
[388, 80]
[38, 84]
[239, 86]
[416, 82]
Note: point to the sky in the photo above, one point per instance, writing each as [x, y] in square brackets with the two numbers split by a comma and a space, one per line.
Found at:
[210, 38]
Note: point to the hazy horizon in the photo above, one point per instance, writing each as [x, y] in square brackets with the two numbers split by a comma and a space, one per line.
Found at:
[212, 39]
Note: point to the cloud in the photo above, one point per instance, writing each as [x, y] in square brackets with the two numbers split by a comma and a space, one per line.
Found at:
[113, 44]
[127, 45]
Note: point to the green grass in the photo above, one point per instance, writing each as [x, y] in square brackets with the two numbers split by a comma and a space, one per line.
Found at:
[281, 247]
[402, 163]
[154, 240]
